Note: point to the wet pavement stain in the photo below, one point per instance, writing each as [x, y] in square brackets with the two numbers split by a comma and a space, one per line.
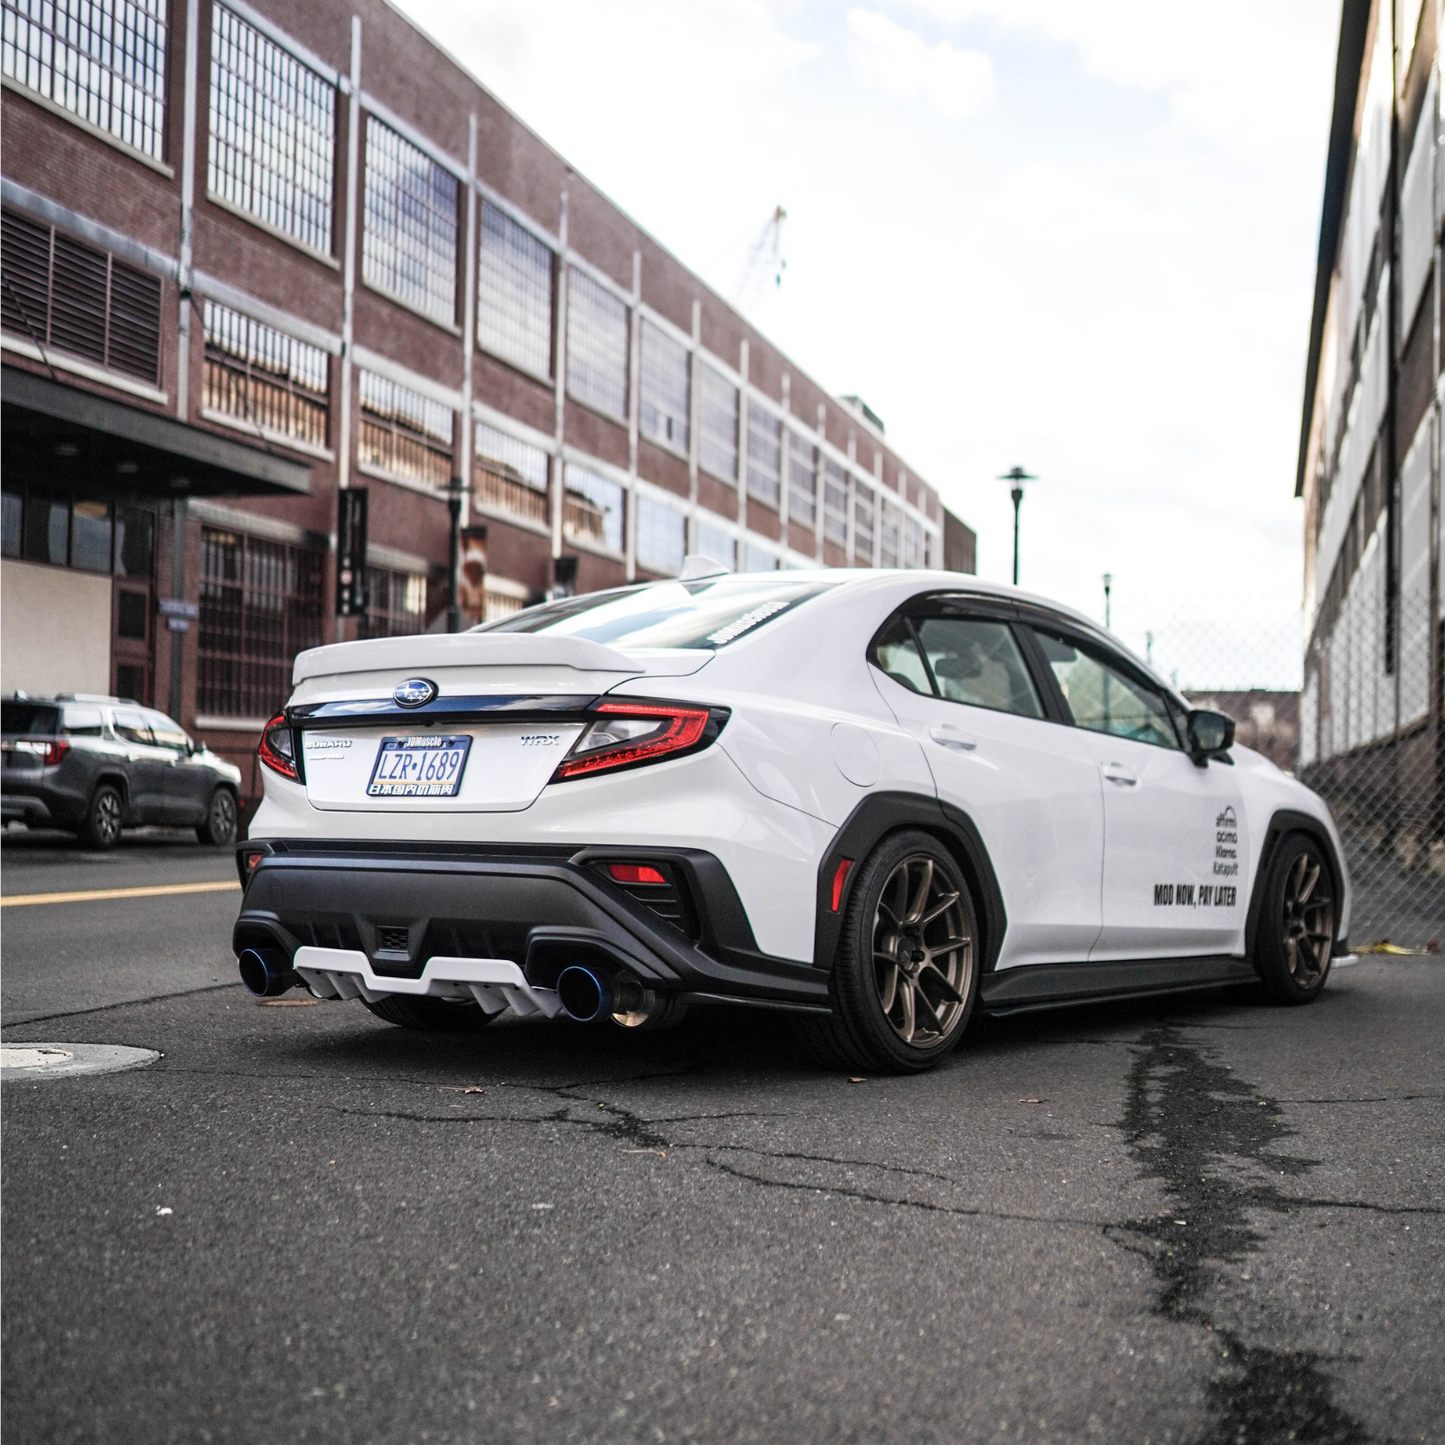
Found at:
[1208, 1137]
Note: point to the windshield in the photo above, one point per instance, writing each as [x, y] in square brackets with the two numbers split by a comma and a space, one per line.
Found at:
[708, 613]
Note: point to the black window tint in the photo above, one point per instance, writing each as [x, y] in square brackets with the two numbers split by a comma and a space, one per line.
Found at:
[978, 662]
[134, 541]
[132, 727]
[896, 653]
[29, 719]
[132, 611]
[1103, 698]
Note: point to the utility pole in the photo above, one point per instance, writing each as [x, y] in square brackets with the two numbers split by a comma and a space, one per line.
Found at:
[1108, 588]
[454, 555]
[1018, 477]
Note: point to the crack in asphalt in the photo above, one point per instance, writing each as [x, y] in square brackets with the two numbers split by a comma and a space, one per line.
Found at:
[1186, 1115]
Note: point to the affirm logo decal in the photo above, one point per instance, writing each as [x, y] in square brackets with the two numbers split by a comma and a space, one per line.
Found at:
[1226, 845]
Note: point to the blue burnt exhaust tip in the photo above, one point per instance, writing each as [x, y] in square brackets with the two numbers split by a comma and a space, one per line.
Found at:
[266, 972]
[584, 995]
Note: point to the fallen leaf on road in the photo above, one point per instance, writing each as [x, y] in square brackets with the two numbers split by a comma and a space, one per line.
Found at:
[1033, 1101]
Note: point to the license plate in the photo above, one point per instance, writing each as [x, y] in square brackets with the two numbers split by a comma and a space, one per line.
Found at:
[427, 766]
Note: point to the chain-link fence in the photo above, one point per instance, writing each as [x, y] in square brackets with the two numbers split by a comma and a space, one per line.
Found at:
[1354, 719]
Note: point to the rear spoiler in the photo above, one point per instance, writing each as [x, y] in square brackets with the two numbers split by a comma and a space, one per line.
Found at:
[461, 649]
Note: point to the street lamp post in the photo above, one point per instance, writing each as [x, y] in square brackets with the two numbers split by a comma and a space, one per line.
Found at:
[1108, 588]
[1018, 477]
[454, 555]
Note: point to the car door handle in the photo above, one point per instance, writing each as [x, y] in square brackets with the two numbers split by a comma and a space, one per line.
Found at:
[1118, 773]
[952, 737]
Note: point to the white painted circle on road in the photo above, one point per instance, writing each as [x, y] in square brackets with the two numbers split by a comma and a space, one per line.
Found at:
[66, 1061]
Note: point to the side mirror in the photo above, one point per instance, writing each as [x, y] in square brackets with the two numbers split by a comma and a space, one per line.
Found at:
[1211, 735]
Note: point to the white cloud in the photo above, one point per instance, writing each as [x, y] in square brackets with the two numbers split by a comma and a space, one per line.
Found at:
[897, 62]
[1235, 70]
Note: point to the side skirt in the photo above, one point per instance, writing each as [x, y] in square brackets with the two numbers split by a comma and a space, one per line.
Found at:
[1054, 985]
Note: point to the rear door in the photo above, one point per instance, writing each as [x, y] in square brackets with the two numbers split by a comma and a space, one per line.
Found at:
[187, 779]
[1175, 842]
[146, 765]
[956, 676]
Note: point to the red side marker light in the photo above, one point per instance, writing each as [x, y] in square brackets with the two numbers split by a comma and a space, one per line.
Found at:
[634, 873]
[839, 878]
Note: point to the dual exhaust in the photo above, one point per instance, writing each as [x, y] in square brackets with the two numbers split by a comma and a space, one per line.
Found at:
[587, 995]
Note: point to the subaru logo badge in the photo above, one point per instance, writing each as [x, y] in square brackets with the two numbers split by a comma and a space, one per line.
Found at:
[415, 692]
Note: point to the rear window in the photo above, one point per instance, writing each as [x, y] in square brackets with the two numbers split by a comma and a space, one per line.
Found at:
[30, 719]
[708, 613]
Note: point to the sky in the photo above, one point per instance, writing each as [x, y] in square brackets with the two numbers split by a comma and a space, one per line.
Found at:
[1074, 235]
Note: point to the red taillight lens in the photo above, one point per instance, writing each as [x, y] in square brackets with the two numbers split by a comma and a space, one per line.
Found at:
[632, 733]
[276, 749]
[634, 873]
[55, 752]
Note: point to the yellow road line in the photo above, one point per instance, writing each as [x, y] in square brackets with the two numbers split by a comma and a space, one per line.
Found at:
[95, 895]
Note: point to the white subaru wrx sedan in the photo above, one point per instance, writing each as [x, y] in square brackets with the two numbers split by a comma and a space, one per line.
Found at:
[877, 799]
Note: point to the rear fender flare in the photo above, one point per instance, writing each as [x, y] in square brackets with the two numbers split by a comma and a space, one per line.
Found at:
[872, 821]
[119, 782]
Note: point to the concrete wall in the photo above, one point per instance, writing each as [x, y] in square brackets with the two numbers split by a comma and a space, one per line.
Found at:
[54, 629]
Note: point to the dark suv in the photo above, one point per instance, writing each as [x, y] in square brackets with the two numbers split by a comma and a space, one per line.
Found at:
[96, 765]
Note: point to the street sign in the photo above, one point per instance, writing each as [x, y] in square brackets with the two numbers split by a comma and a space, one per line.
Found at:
[351, 552]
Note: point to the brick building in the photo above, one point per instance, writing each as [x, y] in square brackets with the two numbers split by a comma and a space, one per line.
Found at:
[256, 255]
[1371, 732]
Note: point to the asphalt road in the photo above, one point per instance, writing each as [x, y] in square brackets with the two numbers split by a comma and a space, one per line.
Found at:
[1207, 1221]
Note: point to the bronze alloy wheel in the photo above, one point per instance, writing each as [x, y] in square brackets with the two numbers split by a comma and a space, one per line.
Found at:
[922, 953]
[1309, 919]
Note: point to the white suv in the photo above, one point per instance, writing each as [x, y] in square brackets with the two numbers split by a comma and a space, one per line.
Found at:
[877, 799]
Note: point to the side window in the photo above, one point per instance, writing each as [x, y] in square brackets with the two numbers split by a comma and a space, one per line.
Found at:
[131, 726]
[896, 653]
[165, 732]
[978, 662]
[1103, 698]
[83, 722]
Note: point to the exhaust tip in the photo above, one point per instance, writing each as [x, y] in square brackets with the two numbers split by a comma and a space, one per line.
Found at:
[266, 972]
[584, 995]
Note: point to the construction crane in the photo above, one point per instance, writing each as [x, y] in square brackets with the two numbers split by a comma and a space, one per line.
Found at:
[763, 267]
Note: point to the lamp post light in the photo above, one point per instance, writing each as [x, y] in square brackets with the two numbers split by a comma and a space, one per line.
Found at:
[1018, 477]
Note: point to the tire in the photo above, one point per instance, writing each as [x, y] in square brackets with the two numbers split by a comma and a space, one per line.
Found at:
[432, 1015]
[901, 999]
[219, 829]
[104, 818]
[1298, 920]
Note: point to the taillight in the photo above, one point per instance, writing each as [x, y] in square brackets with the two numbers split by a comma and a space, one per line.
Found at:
[55, 751]
[277, 750]
[632, 733]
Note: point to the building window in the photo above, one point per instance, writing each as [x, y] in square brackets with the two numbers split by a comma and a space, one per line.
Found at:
[835, 503]
[666, 391]
[756, 559]
[405, 433]
[62, 294]
[269, 380]
[765, 452]
[409, 248]
[718, 433]
[48, 524]
[273, 133]
[596, 346]
[104, 62]
[261, 604]
[661, 536]
[592, 508]
[713, 542]
[395, 604]
[510, 476]
[802, 480]
[888, 535]
[863, 511]
[912, 542]
[514, 293]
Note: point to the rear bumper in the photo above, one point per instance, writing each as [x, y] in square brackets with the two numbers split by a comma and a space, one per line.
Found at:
[411, 912]
[23, 808]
